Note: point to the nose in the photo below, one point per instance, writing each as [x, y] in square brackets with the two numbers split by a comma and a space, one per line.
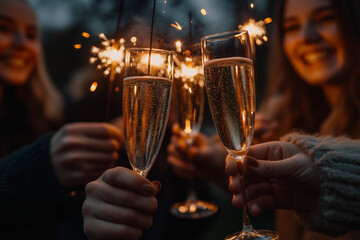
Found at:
[20, 39]
[310, 32]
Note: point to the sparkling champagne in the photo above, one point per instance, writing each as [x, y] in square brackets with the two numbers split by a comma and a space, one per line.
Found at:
[190, 97]
[231, 92]
[145, 110]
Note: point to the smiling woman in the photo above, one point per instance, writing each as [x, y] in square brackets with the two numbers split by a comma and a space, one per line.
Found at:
[315, 79]
[40, 170]
[24, 83]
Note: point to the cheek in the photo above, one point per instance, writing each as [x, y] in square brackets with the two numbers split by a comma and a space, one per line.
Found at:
[289, 48]
[35, 49]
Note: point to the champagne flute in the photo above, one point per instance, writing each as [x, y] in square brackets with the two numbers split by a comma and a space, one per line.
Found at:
[229, 80]
[146, 99]
[189, 96]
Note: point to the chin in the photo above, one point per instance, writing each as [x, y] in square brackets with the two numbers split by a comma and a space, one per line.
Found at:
[15, 81]
[321, 78]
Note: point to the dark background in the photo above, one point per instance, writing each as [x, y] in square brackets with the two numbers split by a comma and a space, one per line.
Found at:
[63, 21]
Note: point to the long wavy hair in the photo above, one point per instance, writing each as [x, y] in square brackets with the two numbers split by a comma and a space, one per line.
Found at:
[30, 110]
[305, 107]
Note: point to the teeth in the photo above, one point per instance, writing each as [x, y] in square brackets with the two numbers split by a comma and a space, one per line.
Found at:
[17, 62]
[315, 57]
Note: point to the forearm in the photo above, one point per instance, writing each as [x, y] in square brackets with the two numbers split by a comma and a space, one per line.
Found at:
[28, 188]
[337, 162]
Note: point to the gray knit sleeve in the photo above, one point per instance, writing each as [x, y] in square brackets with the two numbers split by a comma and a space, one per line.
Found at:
[337, 161]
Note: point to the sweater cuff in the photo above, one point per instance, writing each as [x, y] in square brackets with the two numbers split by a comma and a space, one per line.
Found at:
[337, 162]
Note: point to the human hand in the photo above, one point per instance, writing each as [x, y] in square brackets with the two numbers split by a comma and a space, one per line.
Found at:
[203, 158]
[119, 205]
[279, 175]
[264, 129]
[119, 123]
[81, 152]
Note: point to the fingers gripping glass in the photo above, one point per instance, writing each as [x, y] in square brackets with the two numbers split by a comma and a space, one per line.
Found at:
[229, 80]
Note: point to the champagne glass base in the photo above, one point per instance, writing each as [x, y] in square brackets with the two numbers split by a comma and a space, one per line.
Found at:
[193, 209]
[253, 235]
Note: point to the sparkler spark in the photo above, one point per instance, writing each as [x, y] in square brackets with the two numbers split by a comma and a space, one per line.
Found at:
[256, 30]
[109, 56]
[93, 86]
[85, 35]
[267, 20]
[178, 45]
[177, 26]
[188, 73]
[133, 40]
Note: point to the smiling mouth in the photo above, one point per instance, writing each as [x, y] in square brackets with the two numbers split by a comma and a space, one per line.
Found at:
[317, 57]
[17, 62]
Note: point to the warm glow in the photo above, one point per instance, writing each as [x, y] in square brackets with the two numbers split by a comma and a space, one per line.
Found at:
[85, 35]
[256, 30]
[182, 209]
[178, 45]
[203, 12]
[110, 56]
[192, 208]
[156, 60]
[133, 39]
[265, 38]
[267, 20]
[93, 86]
[77, 46]
[188, 71]
[177, 26]
[187, 129]
[117, 89]
[252, 5]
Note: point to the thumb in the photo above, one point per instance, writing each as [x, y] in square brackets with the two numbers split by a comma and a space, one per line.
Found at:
[268, 169]
[157, 186]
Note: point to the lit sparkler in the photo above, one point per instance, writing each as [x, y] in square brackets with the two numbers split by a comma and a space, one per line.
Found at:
[188, 73]
[110, 56]
[256, 30]
[177, 26]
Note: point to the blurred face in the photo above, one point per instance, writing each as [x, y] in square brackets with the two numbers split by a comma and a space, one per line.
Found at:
[19, 42]
[312, 41]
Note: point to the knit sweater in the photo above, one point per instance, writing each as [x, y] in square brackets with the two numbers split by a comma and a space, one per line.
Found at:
[337, 161]
[29, 192]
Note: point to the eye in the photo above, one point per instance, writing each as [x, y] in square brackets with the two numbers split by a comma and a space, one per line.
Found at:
[292, 27]
[326, 17]
[32, 34]
[5, 27]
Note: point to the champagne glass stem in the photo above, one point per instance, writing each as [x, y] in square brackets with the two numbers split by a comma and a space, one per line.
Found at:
[192, 192]
[192, 196]
[247, 227]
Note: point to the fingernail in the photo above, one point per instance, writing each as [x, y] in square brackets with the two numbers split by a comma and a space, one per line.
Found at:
[254, 208]
[251, 161]
[149, 189]
[157, 185]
